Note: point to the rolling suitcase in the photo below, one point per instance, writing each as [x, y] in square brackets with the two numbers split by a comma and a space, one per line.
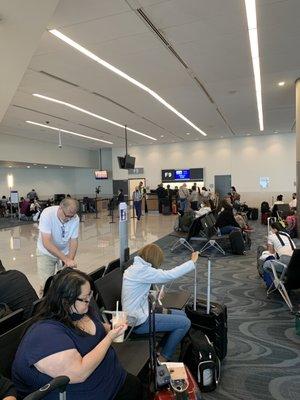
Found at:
[254, 214]
[166, 209]
[60, 384]
[237, 242]
[163, 387]
[210, 318]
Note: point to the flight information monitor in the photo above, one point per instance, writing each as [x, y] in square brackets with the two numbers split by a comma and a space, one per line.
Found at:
[182, 174]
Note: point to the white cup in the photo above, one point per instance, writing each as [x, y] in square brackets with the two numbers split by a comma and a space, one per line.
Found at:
[118, 319]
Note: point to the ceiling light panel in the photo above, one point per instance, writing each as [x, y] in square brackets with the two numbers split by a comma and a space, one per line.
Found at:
[122, 74]
[72, 106]
[253, 38]
[68, 132]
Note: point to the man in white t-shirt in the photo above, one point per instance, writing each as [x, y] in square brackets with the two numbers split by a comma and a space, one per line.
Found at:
[58, 238]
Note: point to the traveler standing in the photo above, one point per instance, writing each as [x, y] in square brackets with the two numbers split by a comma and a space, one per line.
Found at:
[183, 194]
[137, 202]
[58, 238]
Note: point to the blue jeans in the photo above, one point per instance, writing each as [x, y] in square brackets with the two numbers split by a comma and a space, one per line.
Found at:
[225, 230]
[176, 323]
[183, 204]
[138, 208]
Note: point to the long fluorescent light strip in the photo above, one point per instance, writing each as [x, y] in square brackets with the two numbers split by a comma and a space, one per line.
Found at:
[69, 132]
[90, 113]
[117, 71]
[253, 37]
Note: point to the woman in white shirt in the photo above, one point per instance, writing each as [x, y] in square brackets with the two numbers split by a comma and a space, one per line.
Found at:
[281, 245]
[137, 281]
[205, 209]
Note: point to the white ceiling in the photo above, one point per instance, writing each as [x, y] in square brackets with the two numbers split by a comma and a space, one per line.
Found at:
[210, 36]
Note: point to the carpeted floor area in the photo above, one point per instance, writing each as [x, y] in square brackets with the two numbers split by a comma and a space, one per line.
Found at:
[263, 360]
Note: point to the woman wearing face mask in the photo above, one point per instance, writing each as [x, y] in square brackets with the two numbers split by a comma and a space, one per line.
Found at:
[68, 338]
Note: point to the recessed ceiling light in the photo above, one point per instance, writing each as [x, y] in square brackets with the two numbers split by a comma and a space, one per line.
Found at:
[188, 133]
[161, 135]
[28, 166]
[253, 37]
[70, 132]
[34, 164]
[45, 166]
[91, 114]
[275, 131]
[117, 71]
[9, 166]
[281, 83]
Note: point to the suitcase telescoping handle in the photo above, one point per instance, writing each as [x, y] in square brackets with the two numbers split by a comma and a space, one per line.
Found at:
[59, 383]
[208, 286]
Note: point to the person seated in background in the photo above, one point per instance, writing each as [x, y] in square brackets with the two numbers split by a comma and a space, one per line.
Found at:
[24, 206]
[16, 291]
[279, 200]
[241, 220]
[7, 390]
[204, 209]
[32, 195]
[68, 338]
[293, 203]
[194, 198]
[280, 245]
[137, 281]
[226, 222]
[3, 205]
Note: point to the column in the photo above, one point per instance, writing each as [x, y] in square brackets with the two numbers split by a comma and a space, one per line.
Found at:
[298, 152]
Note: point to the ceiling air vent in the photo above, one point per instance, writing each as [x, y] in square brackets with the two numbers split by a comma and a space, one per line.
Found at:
[113, 101]
[59, 79]
[160, 35]
[40, 112]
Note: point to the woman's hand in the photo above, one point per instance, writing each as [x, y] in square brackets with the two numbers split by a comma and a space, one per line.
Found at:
[114, 333]
[107, 327]
[195, 256]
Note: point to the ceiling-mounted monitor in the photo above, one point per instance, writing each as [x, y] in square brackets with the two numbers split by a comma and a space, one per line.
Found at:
[101, 174]
[126, 162]
[121, 161]
[129, 162]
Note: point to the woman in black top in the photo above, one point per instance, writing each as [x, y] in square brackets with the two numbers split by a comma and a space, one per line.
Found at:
[7, 391]
[225, 220]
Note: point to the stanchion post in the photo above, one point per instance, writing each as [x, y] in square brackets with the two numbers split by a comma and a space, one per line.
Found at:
[123, 230]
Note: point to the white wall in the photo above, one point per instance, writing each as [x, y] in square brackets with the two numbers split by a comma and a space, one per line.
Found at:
[245, 159]
[19, 149]
[78, 182]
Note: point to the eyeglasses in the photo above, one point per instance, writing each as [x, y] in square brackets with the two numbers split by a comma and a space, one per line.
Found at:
[89, 296]
[67, 217]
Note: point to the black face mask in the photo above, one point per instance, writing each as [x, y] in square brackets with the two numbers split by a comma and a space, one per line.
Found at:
[76, 316]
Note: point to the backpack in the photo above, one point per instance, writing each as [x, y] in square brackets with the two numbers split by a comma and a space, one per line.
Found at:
[199, 355]
[264, 207]
[185, 221]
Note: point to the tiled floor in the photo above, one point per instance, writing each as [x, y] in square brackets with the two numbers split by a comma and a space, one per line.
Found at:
[98, 242]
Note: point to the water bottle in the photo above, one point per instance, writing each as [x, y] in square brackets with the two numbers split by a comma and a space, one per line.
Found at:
[207, 377]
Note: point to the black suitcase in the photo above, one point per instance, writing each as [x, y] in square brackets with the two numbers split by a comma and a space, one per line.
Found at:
[210, 318]
[166, 209]
[254, 214]
[237, 242]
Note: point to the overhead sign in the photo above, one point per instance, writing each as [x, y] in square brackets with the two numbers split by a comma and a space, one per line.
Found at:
[187, 174]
